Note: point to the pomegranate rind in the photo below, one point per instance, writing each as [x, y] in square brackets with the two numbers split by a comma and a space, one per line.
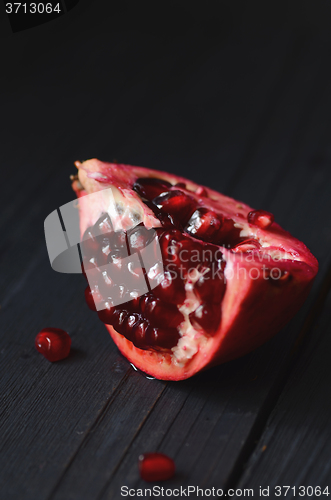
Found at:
[253, 310]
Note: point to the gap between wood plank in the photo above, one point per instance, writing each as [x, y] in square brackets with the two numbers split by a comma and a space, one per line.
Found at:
[86, 437]
[105, 487]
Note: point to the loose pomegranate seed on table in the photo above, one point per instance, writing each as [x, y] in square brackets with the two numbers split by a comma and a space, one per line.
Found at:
[156, 467]
[53, 343]
[184, 277]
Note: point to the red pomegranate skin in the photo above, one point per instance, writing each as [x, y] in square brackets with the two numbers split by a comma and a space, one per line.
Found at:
[53, 343]
[156, 467]
[253, 305]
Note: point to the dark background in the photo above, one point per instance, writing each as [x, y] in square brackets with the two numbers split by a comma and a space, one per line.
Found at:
[236, 98]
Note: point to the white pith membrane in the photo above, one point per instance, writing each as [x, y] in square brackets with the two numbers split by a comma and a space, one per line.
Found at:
[278, 245]
[191, 339]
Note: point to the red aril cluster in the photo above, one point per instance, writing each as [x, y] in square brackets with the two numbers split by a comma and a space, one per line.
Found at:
[189, 240]
[150, 320]
[176, 203]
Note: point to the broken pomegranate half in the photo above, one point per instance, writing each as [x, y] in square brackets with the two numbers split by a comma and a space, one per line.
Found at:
[221, 278]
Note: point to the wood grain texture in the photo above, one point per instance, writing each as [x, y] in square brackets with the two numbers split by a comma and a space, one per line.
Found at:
[295, 446]
[252, 110]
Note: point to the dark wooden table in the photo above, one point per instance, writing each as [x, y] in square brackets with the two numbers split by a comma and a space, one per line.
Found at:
[239, 101]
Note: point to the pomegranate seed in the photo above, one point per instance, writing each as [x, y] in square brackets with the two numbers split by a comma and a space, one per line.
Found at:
[89, 243]
[167, 220]
[204, 224]
[139, 334]
[168, 239]
[201, 191]
[103, 225]
[116, 293]
[171, 255]
[118, 241]
[160, 313]
[139, 237]
[211, 254]
[94, 297]
[170, 289]
[207, 317]
[189, 254]
[129, 323]
[144, 299]
[229, 235]
[90, 266]
[53, 343]
[181, 185]
[260, 218]
[165, 338]
[106, 282]
[181, 251]
[150, 187]
[210, 288]
[115, 257]
[156, 467]
[105, 245]
[176, 203]
[154, 273]
[133, 304]
[119, 318]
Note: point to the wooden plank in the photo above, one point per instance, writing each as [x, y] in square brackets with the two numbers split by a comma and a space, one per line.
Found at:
[295, 446]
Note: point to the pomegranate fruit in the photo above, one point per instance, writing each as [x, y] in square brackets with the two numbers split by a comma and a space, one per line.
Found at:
[221, 278]
[156, 467]
[53, 343]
